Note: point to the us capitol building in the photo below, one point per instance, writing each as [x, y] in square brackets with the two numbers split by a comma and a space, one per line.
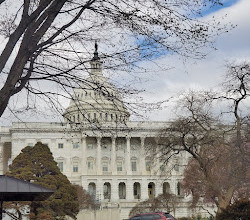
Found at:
[99, 148]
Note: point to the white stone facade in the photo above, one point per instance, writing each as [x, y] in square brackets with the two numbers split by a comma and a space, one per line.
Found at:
[111, 165]
[99, 148]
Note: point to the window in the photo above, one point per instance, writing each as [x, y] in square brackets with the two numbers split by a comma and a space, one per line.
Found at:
[111, 117]
[94, 116]
[60, 145]
[60, 165]
[75, 145]
[162, 168]
[133, 147]
[88, 116]
[176, 167]
[133, 163]
[168, 216]
[105, 166]
[150, 217]
[75, 167]
[104, 146]
[90, 165]
[100, 115]
[148, 166]
[179, 189]
[90, 146]
[106, 116]
[119, 166]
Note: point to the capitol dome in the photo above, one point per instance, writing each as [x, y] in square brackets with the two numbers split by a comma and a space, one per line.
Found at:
[96, 99]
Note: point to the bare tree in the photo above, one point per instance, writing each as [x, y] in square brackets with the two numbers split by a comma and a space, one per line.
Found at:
[219, 149]
[46, 43]
[166, 201]
[85, 200]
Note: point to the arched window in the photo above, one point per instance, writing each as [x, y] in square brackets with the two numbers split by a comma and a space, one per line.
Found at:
[107, 190]
[122, 190]
[151, 190]
[166, 188]
[179, 189]
[106, 116]
[137, 190]
[92, 189]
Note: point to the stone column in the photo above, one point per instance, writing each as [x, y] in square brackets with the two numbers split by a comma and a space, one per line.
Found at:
[98, 157]
[142, 159]
[114, 191]
[128, 163]
[84, 183]
[99, 190]
[156, 160]
[113, 157]
[1, 158]
[158, 188]
[144, 189]
[130, 190]
[84, 155]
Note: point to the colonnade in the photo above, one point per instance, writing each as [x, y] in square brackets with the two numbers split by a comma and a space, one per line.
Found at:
[113, 158]
[129, 189]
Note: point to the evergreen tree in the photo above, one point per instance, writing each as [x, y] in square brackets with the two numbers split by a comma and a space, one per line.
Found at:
[36, 164]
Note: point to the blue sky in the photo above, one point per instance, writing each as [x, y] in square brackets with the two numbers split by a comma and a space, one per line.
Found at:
[226, 3]
[208, 73]
[203, 74]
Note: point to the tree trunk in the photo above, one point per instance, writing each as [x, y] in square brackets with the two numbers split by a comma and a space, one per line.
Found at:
[225, 200]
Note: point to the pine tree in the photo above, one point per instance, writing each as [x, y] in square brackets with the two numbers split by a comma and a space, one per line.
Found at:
[36, 164]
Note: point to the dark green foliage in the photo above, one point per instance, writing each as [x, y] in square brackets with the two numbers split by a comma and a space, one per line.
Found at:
[238, 210]
[36, 164]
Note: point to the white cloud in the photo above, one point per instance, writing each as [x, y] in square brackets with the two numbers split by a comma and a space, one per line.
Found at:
[208, 73]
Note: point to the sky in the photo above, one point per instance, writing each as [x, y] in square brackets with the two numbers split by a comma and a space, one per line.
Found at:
[208, 73]
[185, 75]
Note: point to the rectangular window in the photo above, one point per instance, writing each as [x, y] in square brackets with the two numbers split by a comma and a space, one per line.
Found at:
[133, 164]
[90, 146]
[105, 166]
[60, 165]
[75, 167]
[104, 146]
[162, 168]
[75, 145]
[60, 145]
[176, 167]
[119, 166]
[148, 166]
[90, 165]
